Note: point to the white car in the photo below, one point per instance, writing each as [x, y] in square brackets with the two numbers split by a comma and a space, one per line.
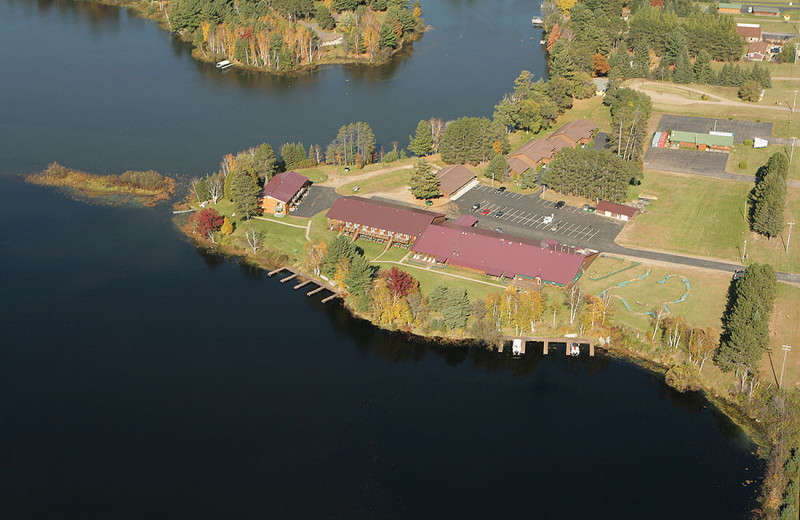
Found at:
[547, 220]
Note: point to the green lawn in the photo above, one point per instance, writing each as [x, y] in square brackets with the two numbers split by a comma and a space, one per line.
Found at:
[706, 217]
[383, 182]
[756, 157]
[430, 278]
[289, 239]
[692, 215]
[703, 306]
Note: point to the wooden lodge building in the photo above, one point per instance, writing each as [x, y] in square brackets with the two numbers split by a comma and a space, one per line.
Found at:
[283, 192]
[525, 262]
[382, 222]
[728, 8]
[750, 32]
[538, 152]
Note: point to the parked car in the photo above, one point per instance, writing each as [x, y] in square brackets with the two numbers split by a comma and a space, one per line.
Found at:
[476, 207]
[588, 208]
[486, 211]
[498, 230]
[548, 219]
[499, 213]
[560, 204]
[501, 189]
[738, 274]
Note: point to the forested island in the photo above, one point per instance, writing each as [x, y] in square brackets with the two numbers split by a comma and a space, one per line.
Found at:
[285, 36]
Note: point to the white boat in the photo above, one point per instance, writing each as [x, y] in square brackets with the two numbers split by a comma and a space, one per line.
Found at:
[537, 21]
[224, 64]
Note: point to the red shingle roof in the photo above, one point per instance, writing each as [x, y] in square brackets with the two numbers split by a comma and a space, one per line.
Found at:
[613, 207]
[390, 217]
[747, 31]
[466, 220]
[496, 253]
[453, 178]
[284, 186]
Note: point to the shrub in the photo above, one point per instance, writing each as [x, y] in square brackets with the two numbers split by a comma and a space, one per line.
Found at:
[743, 165]
[683, 378]
[748, 142]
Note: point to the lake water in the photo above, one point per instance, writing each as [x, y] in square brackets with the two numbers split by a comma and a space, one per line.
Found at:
[142, 378]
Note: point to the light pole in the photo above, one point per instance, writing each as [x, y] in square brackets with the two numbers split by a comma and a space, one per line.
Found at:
[785, 349]
[795, 100]
[790, 236]
[791, 157]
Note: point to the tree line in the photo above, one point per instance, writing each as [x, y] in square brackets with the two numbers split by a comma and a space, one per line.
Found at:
[768, 197]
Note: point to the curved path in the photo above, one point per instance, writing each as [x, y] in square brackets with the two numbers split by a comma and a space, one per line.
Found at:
[668, 98]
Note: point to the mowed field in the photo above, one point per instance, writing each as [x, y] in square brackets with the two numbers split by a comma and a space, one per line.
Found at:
[707, 217]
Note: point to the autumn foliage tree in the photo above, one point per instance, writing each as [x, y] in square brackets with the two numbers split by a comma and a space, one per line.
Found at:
[401, 282]
[600, 65]
[206, 222]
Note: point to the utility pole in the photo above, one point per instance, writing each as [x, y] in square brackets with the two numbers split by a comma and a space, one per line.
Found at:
[790, 236]
[795, 100]
[785, 349]
[744, 251]
[791, 158]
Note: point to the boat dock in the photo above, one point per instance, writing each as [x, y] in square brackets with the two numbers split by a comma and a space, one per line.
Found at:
[573, 346]
[303, 280]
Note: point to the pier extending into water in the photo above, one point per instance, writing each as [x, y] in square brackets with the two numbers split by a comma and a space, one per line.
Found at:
[573, 345]
[304, 280]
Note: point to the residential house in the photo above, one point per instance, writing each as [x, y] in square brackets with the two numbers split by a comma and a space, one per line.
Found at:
[534, 153]
[617, 211]
[283, 192]
[499, 255]
[456, 180]
[750, 32]
[576, 133]
[380, 221]
[702, 142]
[758, 51]
[728, 8]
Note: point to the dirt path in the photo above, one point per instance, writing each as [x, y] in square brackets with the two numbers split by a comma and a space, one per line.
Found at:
[669, 98]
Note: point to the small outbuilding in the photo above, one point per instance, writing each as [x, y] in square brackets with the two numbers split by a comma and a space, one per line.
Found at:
[283, 192]
[456, 180]
[766, 11]
[728, 8]
[617, 211]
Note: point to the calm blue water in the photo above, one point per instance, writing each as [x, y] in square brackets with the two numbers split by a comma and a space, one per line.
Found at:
[140, 378]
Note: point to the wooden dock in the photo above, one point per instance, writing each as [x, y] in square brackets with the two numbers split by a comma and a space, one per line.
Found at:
[304, 280]
[522, 341]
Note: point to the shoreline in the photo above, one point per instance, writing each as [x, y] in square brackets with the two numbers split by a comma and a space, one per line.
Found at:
[755, 431]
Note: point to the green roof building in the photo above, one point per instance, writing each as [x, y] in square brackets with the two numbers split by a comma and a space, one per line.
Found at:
[697, 140]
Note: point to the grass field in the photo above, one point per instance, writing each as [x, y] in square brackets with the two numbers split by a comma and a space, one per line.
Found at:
[702, 308]
[706, 217]
[784, 125]
[383, 182]
[756, 157]
[786, 332]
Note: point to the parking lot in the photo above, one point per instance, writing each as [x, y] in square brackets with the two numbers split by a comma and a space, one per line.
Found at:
[686, 161]
[741, 129]
[525, 215]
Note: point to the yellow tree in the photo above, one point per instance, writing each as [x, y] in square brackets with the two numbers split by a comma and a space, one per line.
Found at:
[315, 256]
[498, 147]
[342, 271]
[371, 39]
[417, 13]
[538, 305]
[227, 227]
[493, 302]
[566, 5]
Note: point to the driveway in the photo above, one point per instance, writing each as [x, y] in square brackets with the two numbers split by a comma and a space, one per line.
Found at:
[319, 198]
[523, 215]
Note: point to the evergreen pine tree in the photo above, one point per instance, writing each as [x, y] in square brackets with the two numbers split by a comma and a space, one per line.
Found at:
[683, 69]
[422, 142]
[438, 297]
[641, 62]
[201, 190]
[456, 309]
[497, 169]
[424, 182]
[265, 162]
[360, 276]
[338, 248]
[702, 67]
[244, 193]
